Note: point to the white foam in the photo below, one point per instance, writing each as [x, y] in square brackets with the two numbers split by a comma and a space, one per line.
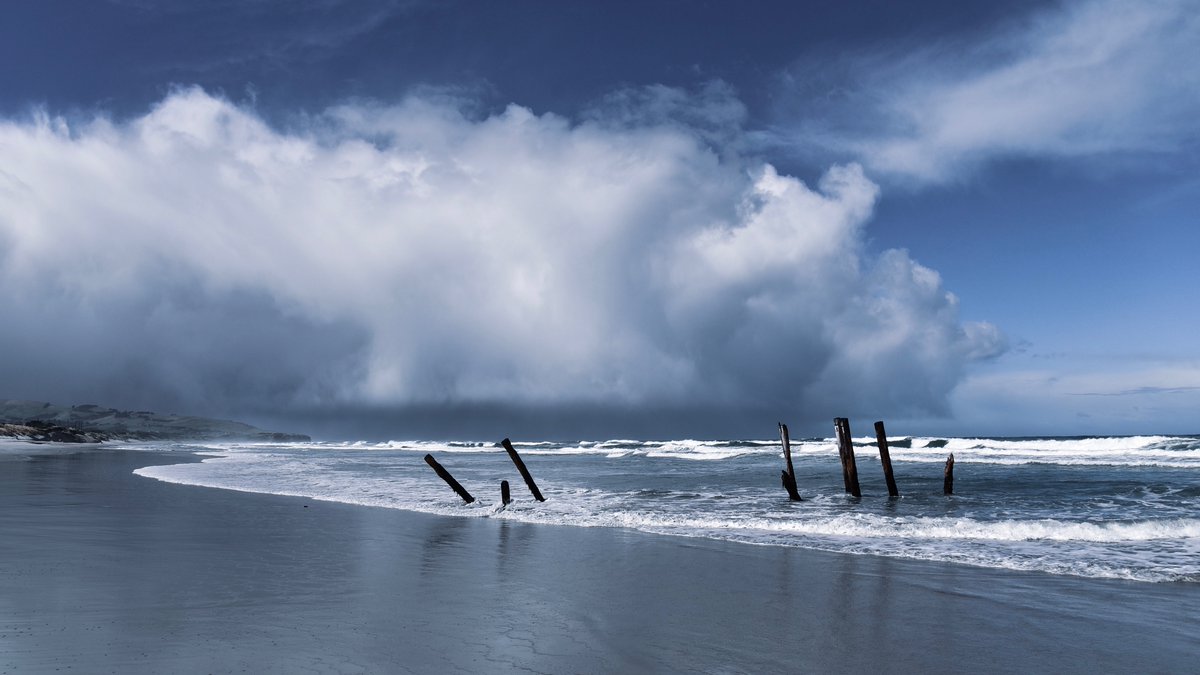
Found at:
[1161, 451]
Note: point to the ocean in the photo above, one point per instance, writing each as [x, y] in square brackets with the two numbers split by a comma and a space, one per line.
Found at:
[1116, 507]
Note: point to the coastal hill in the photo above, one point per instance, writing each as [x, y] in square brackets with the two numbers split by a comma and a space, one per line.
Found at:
[38, 421]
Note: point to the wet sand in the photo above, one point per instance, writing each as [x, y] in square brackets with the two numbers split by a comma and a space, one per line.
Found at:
[104, 571]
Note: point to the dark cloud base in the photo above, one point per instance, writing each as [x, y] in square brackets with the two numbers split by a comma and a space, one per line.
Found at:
[492, 422]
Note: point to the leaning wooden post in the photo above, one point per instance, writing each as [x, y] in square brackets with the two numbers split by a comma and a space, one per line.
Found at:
[505, 497]
[445, 475]
[841, 448]
[846, 450]
[512, 454]
[948, 484]
[789, 476]
[886, 459]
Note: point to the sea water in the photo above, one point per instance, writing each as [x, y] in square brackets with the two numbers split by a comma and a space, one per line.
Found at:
[1125, 507]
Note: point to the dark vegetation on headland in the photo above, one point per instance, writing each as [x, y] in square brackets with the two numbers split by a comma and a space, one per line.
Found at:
[45, 422]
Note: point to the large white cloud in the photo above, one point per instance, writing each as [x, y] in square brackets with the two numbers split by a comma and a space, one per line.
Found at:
[411, 255]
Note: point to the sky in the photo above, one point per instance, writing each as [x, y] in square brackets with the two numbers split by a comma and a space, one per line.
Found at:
[662, 219]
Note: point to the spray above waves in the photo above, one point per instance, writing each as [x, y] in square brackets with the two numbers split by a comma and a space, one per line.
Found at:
[1161, 451]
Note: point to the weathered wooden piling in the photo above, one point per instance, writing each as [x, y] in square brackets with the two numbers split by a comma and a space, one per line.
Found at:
[846, 450]
[789, 476]
[505, 497]
[948, 484]
[512, 454]
[445, 475]
[885, 459]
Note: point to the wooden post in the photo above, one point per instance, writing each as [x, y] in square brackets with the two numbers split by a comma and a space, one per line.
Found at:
[789, 476]
[846, 450]
[505, 497]
[837, 430]
[948, 484]
[445, 475]
[886, 459]
[512, 454]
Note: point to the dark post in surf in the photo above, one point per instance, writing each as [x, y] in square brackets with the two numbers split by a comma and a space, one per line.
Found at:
[885, 458]
[789, 476]
[846, 450]
[445, 475]
[948, 484]
[537, 494]
[505, 497]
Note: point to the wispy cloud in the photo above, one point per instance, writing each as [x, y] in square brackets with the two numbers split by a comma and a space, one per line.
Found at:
[1091, 78]
[1141, 391]
[408, 255]
[284, 34]
[1112, 395]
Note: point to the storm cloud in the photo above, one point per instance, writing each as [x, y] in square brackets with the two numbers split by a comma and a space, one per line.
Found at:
[418, 257]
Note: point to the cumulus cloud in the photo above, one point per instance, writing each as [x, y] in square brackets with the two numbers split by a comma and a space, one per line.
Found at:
[412, 256]
[1089, 78]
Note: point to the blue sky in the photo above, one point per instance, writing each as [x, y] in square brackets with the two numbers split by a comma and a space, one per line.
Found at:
[388, 218]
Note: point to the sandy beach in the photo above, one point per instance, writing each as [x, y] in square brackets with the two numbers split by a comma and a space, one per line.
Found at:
[105, 571]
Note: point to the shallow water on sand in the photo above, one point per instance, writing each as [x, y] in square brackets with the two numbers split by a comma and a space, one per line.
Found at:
[104, 571]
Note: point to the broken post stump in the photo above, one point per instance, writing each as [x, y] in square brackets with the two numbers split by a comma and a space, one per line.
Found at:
[445, 475]
[885, 458]
[789, 476]
[512, 454]
[846, 450]
[505, 497]
[948, 484]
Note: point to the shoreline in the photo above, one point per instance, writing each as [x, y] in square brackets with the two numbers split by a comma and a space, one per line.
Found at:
[107, 571]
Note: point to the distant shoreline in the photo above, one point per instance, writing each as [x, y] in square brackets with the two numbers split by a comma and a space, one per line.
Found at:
[40, 422]
[37, 431]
